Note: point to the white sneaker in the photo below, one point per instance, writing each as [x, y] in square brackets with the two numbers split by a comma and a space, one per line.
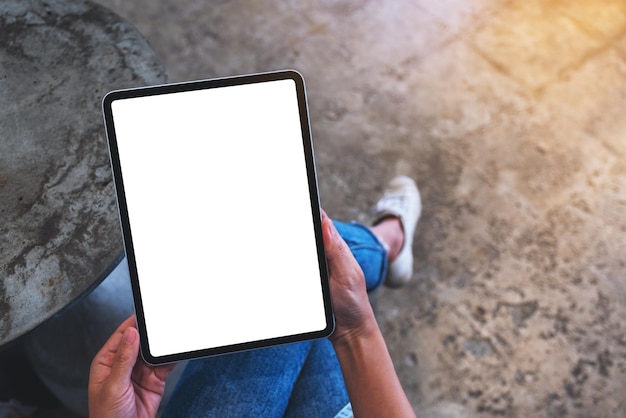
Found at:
[401, 200]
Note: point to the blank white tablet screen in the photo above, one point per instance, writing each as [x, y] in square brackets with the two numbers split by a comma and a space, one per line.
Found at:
[219, 208]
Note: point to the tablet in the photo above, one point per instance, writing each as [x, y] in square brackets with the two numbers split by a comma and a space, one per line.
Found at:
[218, 201]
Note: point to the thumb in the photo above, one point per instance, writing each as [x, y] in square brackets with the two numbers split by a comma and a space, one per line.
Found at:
[125, 358]
[339, 256]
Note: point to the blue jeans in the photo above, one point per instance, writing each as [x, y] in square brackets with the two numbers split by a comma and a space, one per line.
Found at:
[295, 380]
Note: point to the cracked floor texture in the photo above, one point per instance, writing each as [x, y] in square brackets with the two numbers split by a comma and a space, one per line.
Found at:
[509, 114]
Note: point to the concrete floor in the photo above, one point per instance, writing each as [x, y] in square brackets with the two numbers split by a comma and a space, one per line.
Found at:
[509, 114]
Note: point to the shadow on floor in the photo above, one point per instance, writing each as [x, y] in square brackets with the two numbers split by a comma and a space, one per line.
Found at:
[22, 394]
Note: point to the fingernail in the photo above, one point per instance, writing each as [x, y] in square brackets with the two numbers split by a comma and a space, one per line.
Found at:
[129, 336]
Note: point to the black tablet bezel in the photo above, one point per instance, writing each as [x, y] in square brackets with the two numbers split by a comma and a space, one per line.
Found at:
[126, 227]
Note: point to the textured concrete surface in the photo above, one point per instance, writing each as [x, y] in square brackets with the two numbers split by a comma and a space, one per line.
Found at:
[59, 229]
[509, 114]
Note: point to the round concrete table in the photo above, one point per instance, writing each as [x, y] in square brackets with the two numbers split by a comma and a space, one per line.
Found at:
[59, 229]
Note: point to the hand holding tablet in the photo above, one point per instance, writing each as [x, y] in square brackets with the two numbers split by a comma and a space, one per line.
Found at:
[220, 214]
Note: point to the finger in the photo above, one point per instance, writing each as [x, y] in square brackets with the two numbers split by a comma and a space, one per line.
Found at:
[125, 358]
[341, 262]
[162, 372]
[144, 371]
[131, 321]
[103, 360]
[114, 341]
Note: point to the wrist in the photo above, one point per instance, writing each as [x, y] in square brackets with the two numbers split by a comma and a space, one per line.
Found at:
[372, 383]
[365, 331]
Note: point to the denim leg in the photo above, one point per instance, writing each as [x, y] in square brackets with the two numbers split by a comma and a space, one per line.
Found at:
[288, 379]
[320, 390]
[255, 383]
[367, 250]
